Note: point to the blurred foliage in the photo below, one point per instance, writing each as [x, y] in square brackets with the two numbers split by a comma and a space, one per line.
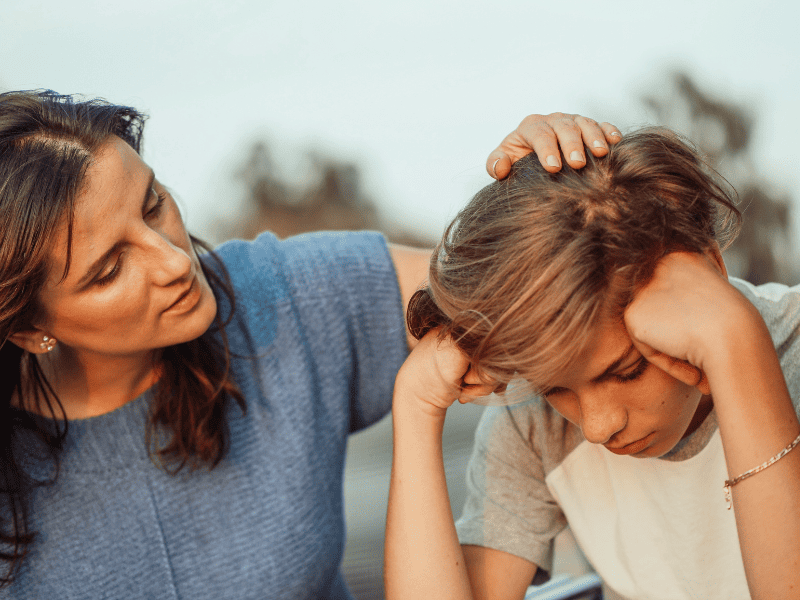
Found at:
[329, 197]
[723, 131]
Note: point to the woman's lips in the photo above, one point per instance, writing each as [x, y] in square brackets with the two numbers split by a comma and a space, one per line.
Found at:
[187, 300]
[633, 447]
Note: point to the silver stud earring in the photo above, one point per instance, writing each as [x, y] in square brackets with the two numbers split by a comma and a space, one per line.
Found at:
[47, 343]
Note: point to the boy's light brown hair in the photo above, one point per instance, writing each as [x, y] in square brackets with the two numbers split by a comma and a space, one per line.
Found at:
[529, 267]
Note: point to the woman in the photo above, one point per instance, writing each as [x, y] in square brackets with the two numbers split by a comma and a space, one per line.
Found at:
[653, 381]
[175, 426]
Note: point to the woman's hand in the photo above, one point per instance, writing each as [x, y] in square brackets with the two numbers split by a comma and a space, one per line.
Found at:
[543, 134]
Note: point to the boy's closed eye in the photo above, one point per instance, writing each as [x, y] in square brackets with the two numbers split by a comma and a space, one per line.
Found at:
[630, 373]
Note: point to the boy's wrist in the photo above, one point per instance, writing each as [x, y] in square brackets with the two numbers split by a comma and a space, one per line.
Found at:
[409, 405]
[730, 347]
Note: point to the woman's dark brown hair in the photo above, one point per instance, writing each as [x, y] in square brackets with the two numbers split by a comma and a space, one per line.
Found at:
[529, 267]
[47, 142]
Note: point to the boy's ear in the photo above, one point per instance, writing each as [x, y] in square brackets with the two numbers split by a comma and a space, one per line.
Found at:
[715, 254]
[34, 341]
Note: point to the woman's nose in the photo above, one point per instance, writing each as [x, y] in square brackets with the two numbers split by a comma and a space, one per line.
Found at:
[601, 418]
[170, 262]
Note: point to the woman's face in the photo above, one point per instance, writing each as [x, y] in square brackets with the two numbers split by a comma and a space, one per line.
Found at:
[134, 282]
[620, 400]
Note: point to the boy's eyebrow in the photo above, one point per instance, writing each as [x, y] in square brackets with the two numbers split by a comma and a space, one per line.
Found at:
[615, 365]
[608, 371]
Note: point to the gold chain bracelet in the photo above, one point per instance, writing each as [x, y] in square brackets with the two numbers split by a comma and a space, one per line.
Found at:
[731, 482]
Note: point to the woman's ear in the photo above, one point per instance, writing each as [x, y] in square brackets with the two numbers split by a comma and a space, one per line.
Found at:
[34, 341]
[715, 254]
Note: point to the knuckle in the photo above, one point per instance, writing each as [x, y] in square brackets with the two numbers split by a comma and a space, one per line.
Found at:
[532, 120]
[541, 130]
[568, 123]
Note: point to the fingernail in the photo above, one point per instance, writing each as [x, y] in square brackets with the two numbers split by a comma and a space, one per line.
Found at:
[615, 134]
[598, 144]
[576, 156]
[552, 160]
[493, 167]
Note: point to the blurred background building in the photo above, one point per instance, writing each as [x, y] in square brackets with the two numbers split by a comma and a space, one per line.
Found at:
[300, 116]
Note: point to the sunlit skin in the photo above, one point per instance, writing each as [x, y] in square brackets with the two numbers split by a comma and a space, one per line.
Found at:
[111, 317]
[618, 398]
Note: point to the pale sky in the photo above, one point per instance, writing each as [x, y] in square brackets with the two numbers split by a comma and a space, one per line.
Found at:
[418, 92]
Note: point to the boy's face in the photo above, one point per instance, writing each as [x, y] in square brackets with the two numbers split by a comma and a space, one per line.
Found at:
[620, 400]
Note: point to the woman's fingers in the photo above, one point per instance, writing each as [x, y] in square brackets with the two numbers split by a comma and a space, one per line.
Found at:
[612, 134]
[570, 138]
[532, 134]
[498, 165]
[597, 136]
[545, 134]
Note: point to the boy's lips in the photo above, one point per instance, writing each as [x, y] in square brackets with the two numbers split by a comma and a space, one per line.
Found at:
[633, 447]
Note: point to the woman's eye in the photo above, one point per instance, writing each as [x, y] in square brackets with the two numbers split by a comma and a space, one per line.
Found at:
[155, 210]
[111, 275]
[638, 370]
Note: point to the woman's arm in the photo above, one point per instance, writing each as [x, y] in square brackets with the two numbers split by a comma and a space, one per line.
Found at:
[423, 557]
[691, 312]
[411, 266]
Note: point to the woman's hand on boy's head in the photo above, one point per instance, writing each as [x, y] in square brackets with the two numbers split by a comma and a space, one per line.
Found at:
[543, 134]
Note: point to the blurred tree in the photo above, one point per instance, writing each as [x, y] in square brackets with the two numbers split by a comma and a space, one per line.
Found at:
[330, 197]
[723, 132]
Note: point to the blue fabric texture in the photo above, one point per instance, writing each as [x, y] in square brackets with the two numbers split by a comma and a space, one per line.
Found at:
[319, 336]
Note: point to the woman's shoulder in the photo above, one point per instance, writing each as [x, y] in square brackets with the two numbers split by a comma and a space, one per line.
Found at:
[309, 262]
[326, 284]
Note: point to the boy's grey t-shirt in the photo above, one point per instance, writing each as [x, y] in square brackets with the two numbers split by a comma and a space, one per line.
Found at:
[317, 339]
[654, 529]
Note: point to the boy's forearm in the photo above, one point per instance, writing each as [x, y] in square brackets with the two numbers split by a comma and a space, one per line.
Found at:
[423, 558]
[756, 421]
